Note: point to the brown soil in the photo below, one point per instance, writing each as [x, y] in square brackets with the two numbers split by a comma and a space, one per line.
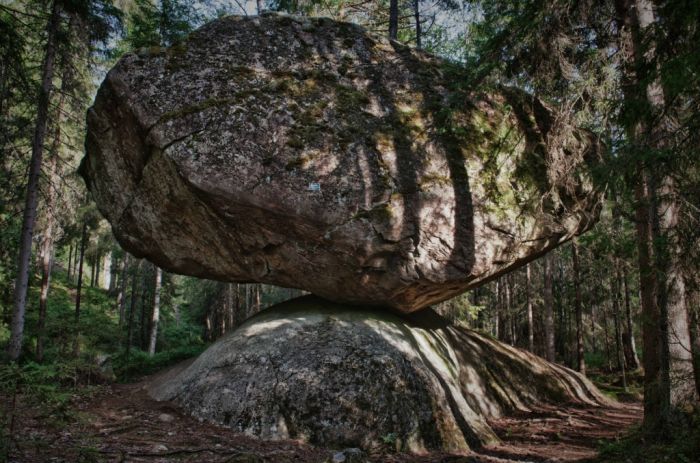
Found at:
[120, 423]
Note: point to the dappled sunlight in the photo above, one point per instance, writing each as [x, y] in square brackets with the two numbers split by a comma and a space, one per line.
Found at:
[325, 372]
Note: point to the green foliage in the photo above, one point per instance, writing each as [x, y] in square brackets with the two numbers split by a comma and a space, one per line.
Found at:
[139, 363]
[162, 23]
[98, 327]
[680, 444]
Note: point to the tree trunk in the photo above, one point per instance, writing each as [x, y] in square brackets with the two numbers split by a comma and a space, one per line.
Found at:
[132, 309]
[156, 312]
[393, 19]
[499, 310]
[230, 303]
[530, 324]
[98, 269]
[143, 323]
[667, 359]
[70, 262]
[548, 309]
[257, 297]
[14, 348]
[416, 15]
[578, 303]
[606, 339]
[693, 304]
[106, 282]
[47, 240]
[628, 336]
[78, 291]
[615, 284]
[121, 294]
[93, 264]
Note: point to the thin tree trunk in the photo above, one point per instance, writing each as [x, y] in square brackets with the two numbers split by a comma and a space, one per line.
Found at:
[92, 270]
[257, 298]
[70, 262]
[121, 294]
[143, 324]
[548, 310]
[75, 259]
[393, 19]
[499, 310]
[606, 339]
[107, 270]
[530, 323]
[230, 314]
[580, 360]
[693, 304]
[132, 309]
[618, 328]
[98, 269]
[155, 317]
[79, 289]
[29, 218]
[416, 15]
[47, 241]
[630, 346]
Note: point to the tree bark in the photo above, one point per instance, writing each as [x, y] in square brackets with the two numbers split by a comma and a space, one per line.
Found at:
[393, 19]
[29, 217]
[416, 15]
[548, 309]
[530, 323]
[106, 281]
[47, 241]
[78, 291]
[98, 270]
[630, 347]
[499, 310]
[693, 304]
[615, 285]
[578, 303]
[667, 359]
[132, 309]
[143, 323]
[70, 262]
[155, 317]
[121, 294]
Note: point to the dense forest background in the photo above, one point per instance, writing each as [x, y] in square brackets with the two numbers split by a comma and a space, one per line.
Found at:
[624, 295]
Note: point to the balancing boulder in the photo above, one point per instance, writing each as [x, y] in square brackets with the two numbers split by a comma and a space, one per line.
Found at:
[308, 153]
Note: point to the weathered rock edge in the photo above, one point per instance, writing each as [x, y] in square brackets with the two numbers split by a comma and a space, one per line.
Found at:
[340, 376]
[307, 153]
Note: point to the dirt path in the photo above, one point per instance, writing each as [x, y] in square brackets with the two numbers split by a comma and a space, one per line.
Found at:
[122, 424]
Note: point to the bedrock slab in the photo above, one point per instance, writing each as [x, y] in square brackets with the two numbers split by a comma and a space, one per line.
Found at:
[341, 376]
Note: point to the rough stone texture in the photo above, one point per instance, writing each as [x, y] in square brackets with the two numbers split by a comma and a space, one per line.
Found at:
[201, 156]
[340, 376]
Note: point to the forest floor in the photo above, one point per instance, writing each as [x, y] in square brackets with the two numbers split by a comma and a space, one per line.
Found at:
[121, 423]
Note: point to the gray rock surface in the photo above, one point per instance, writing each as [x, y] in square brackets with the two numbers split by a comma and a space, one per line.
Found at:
[307, 153]
[341, 376]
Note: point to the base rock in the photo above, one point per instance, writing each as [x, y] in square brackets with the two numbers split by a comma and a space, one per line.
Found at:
[341, 376]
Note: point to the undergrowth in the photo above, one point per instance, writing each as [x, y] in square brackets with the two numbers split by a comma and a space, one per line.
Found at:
[680, 445]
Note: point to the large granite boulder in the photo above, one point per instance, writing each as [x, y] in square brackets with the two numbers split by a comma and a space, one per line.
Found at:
[307, 153]
[342, 376]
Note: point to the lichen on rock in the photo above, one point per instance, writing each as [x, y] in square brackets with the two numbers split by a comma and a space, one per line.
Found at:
[341, 376]
[202, 155]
